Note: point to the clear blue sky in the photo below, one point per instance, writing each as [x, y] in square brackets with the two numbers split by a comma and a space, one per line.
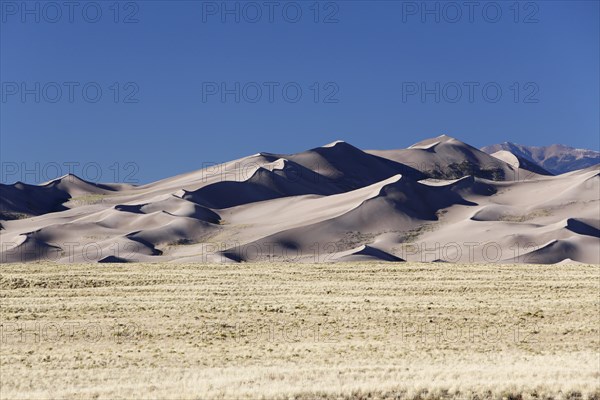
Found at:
[371, 57]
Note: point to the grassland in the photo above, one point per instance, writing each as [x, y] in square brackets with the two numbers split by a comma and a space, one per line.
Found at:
[359, 331]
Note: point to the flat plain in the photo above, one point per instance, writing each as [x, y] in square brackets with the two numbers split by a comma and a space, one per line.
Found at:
[300, 331]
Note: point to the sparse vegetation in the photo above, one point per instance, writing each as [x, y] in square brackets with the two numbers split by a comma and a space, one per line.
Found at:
[181, 242]
[9, 216]
[86, 200]
[525, 217]
[290, 331]
[414, 234]
[459, 170]
[353, 239]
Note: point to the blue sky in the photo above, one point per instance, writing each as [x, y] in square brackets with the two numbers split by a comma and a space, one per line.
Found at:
[378, 74]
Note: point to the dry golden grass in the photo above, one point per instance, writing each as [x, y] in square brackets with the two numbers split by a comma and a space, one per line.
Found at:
[416, 331]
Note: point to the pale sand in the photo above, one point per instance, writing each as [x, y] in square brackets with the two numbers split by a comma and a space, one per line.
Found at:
[438, 200]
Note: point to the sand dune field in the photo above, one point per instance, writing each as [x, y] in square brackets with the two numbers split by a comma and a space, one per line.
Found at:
[438, 200]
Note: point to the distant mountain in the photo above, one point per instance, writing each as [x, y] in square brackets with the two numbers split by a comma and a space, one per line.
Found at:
[555, 158]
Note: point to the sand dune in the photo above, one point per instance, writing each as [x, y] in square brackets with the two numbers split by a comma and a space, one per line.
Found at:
[448, 158]
[22, 200]
[365, 253]
[438, 200]
[280, 178]
[175, 206]
[519, 162]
